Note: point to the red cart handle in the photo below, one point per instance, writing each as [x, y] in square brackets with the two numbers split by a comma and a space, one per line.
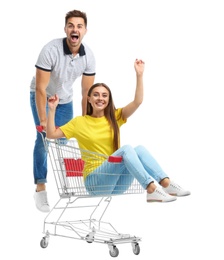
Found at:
[40, 128]
[115, 159]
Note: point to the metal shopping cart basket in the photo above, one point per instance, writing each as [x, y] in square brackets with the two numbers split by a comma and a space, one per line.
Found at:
[68, 165]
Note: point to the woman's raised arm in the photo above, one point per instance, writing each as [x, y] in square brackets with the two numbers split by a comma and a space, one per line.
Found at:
[129, 109]
[51, 130]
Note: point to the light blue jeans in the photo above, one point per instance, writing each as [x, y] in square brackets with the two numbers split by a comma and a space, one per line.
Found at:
[64, 113]
[137, 163]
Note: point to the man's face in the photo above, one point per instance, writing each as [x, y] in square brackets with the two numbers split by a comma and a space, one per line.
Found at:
[75, 30]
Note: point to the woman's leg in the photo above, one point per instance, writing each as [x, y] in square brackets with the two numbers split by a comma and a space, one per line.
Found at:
[134, 165]
[154, 169]
[151, 165]
[103, 180]
[116, 176]
[123, 183]
[131, 165]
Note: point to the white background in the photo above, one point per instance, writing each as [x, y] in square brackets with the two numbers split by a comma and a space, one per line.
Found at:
[180, 121]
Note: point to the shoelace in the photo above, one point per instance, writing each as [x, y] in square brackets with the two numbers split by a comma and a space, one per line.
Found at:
[161, 192]
[175, 186]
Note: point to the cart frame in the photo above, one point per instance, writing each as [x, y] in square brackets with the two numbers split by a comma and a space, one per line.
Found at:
[76, 199]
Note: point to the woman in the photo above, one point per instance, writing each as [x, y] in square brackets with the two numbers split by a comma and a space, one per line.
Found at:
[98, 131]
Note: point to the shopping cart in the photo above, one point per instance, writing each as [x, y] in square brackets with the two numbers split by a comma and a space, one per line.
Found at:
[68, 164]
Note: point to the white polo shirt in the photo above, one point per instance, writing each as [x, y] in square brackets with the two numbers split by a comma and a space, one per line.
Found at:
[56, 58]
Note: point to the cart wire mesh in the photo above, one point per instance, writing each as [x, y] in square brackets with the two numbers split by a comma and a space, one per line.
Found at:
[70, 165]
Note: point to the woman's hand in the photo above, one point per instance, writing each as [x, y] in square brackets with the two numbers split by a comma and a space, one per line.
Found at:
[52, 131]
[53, 101]
[130, 108]
[139, 66]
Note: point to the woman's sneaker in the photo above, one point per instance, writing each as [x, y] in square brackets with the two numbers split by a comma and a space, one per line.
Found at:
[159, 196]
[175, 190]
[41, 201]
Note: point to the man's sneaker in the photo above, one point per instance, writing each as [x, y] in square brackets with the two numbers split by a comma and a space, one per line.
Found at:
[175, 190]
[159, 196]
[41, 201]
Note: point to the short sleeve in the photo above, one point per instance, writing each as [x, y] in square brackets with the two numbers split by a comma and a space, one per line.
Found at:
[90, 69]
[44, 60]
[118, 115]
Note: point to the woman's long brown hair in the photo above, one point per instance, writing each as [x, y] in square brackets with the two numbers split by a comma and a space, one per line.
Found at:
[109, 113]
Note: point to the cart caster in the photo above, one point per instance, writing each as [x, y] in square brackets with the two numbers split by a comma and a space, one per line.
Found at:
[114, 252]
[44, 242]
[136, 248]
[89, 239]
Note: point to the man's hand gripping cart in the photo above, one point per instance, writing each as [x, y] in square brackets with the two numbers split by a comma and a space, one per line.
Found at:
[68, 165]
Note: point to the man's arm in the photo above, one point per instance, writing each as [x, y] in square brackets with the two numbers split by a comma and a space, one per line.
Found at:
[42, 80]
[87, 82]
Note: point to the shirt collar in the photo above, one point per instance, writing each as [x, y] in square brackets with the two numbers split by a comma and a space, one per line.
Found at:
[68, 52]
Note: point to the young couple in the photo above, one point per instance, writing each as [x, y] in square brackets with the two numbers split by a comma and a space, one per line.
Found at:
[59, 64]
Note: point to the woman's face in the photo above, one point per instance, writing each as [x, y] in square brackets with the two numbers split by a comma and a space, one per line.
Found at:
[99, 99]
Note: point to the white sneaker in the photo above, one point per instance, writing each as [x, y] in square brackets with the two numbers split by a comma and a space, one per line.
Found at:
[159, 196]
[41, 201]
[175, 190]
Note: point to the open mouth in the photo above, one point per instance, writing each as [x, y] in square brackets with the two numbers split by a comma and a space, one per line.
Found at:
[74, 37]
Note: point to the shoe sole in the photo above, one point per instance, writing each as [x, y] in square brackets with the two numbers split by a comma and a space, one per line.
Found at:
[162, 201]
[154, 201]
[182, 195]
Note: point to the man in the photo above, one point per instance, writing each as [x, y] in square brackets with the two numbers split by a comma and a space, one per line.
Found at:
[60, 63]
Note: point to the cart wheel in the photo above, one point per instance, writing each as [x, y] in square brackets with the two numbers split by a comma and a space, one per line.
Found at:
[89, 239]
[114, 252]
[43, 242]
[136, 249]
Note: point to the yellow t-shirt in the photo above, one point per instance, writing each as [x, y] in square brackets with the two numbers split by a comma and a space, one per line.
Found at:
[93, 134]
